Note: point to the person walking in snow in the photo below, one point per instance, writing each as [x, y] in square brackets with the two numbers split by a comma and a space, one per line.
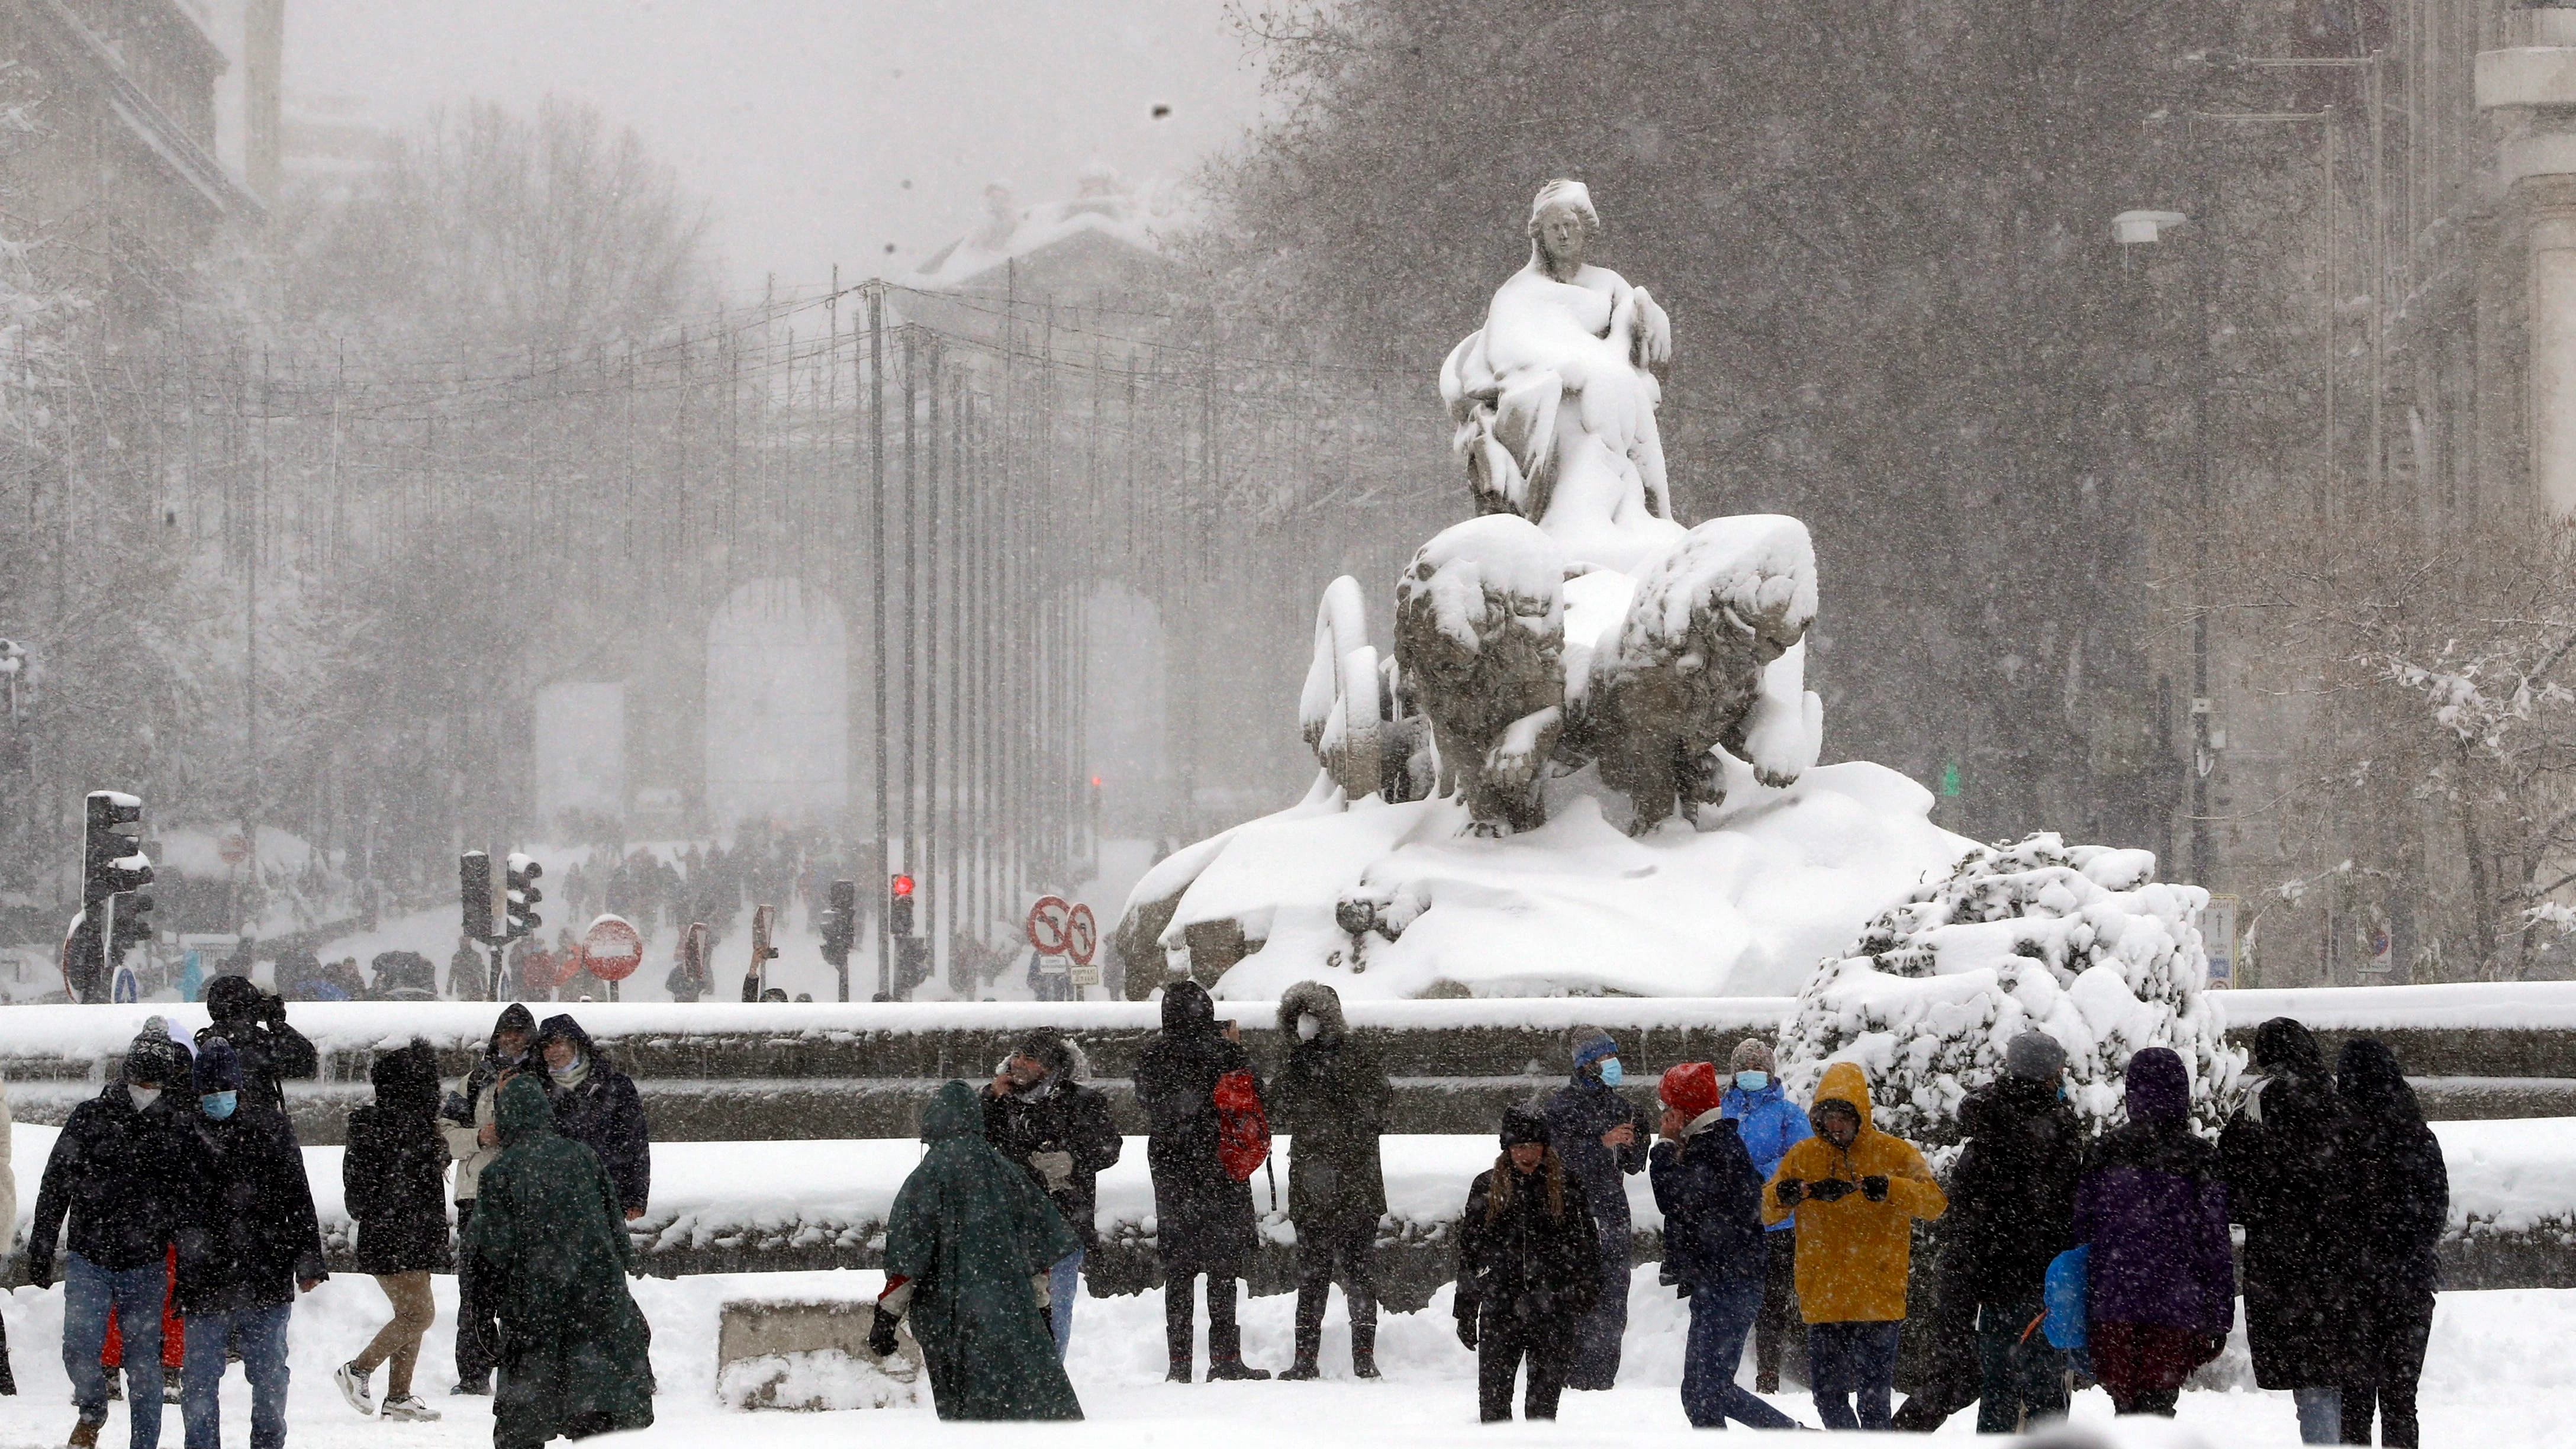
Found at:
[2012, 1210]
[1853, 1192]
[469, 1121]
[115, 1175]
[248, 1240]
[2151, 1208]
[1203, 1214]
[1711, 1199]
[597, 1106]
[1602, 1137]
[1769, 1125]
[969, 1246]
[2293, 1182]
[253, 1023]
[1039, 1115]
[394, 1181]
[2404, 1189]
[1529, 1267]
[1332, 1098]
[547, 1256]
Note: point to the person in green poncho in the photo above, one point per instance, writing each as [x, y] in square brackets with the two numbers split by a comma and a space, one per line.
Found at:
[548, 1253]
[967, 1252]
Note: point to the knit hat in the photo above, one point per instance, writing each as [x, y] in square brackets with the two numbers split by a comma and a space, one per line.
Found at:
[2035, 1055]
[1521, 1125]
[218, 1067]
[1047, 1047]
[1590, 1044]
[1752, 1054]
[1689, 1089]
[156, 1059]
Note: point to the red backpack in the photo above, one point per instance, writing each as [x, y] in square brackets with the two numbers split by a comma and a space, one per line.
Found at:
[1242, 1128]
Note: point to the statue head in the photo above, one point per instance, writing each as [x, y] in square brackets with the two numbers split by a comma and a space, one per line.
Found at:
[1563, 225]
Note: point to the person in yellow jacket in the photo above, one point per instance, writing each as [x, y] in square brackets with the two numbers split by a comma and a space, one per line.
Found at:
[1854, 1192]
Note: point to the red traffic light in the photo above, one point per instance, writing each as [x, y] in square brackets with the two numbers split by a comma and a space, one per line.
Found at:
[902, 886]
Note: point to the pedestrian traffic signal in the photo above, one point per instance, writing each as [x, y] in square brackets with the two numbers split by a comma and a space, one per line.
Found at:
[520, 903]
[899, 908]
[840, 922]
[474, 895]
[112, 859]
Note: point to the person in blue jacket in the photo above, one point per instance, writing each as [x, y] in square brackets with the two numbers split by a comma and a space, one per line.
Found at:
[1770, 1126]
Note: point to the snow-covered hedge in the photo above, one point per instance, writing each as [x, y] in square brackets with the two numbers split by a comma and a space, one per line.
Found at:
[2078, 941]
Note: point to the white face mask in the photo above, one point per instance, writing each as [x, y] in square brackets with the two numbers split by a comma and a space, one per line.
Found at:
[143, 1097]
[1307, 1026]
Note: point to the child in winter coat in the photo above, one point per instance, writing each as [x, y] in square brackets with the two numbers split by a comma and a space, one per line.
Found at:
[1529, 1269]
[1853, 1192]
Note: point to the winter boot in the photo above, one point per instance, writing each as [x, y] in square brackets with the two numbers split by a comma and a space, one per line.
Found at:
[1180, 1372]
[481, 1388]
[1300, 1371]
[354, 1387]
[85, 1434]
[408, 1408]
[1233, 1369]
[1364, 1343]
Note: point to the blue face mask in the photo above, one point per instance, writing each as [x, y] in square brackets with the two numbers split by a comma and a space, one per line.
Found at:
[1610, 1071]
[219, 1105]
[1753, 1081]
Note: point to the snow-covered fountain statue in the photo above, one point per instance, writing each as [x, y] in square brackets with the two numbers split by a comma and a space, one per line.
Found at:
[1588, 764]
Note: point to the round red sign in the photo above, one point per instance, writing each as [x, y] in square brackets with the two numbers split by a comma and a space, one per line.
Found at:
[611, 949]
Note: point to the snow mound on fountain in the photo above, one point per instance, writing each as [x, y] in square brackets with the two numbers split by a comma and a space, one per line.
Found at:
[1387, 901]
[2076, 941]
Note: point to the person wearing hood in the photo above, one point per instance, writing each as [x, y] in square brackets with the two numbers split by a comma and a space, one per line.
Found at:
[1529, 1267]
[1602, 1137]
[253, 1023]
[2012, 1209]
[2291, 1180]
[115, 1175]
[1711, 1199]
[1061, 1134]
[547, 1256]
[2151, 1206]
[248, 1240]
[467, 1120]
[2404, 1189]
[1853, 1192]
[969, 1247]
[394, 1180]
[1769, 1125]
[1203, 1215]
[1332, 1098]
[597, 1106]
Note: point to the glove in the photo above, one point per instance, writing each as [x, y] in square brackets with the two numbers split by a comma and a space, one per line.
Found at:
[1874, 1188]
[1832, 1189]
[1038, 1286]
[1056, 1167]
[881, 1333]
[1467, 1329]
[1790, 1192]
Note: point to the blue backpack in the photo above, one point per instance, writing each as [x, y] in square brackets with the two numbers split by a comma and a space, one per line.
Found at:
[2064, 1296]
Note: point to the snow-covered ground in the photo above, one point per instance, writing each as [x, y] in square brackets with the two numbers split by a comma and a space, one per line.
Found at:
[2495, 1378]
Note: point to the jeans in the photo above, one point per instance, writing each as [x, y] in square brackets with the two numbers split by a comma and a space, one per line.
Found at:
[1720, 1317]
[1064, 1283]
[1595, 1362]
[2320, 1415]
[88, 1289]
[2021, 1379]
[260, 1334]
[1852, 1360]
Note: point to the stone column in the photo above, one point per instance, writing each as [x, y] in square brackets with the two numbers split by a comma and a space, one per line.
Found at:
[2534, 87]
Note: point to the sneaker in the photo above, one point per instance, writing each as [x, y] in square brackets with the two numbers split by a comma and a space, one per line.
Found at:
[85, 1434]
[169, 1386]
[355, 1388]
[1235, 1369]
[409, 1407]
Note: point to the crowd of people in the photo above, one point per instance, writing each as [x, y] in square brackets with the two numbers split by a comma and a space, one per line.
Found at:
[189, 1217]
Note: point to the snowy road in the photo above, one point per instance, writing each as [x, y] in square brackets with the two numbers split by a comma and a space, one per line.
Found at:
[2498, 1379]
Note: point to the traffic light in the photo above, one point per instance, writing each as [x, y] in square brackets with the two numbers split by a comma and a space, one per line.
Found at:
[112, 859]
[132, 926]
[474, 894]
[519, 910]
[899, 908]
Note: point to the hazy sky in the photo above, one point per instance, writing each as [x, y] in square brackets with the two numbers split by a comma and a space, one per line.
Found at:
[801, 121]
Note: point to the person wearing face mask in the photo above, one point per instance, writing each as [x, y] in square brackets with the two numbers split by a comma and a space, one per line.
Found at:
[253, 1023]
[248, 1241]
[1853, 1192]
[473, 1140]
[1769, 1126]
[114, 1174]
[597, 1106]
[1060, 1132]
[1331, 1097]
[1602, 1136]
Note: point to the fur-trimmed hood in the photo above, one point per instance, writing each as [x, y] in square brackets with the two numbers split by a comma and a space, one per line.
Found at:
[1315, 999]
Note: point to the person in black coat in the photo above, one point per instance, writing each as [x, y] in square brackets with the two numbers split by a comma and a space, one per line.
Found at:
[253, 1024]
[1203, 1216]
[1711, 1196]
[1061, 1134]
[115, 1174]
[2012, 1211]
[1529, 1269]
[1332, 1097]
[1602, 1136]
[2291, 1181]
[394, 1180]
[597, 1106]
[2405, 1201]
[248, 1240]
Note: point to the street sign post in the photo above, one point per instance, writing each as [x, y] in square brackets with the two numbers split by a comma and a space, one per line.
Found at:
[611, 950]
[1082, 942]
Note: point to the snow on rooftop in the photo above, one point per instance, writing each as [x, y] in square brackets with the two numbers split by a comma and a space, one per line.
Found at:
[1104, 205]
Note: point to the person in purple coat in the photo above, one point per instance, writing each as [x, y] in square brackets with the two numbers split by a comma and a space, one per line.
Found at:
[2152, 1205]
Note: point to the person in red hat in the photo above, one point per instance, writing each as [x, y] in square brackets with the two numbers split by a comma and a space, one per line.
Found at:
[1712, 1204]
